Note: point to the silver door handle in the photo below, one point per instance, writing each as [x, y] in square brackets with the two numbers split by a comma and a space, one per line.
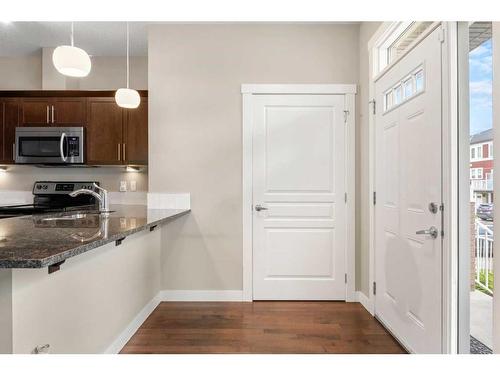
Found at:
[260, 208]
[53, 114]
[48, 120]
[61, 147]
[432, 231]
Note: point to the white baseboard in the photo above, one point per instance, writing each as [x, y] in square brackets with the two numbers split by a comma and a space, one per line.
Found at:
[365, 301]
[202, 295]
[133, 326]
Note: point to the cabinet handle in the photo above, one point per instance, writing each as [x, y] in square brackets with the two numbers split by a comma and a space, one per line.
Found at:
[119, 158]
[53, 114]
[124, 154]
[48, 120]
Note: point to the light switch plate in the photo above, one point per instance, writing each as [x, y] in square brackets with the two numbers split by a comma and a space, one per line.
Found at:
[133, 185]
[123, 185]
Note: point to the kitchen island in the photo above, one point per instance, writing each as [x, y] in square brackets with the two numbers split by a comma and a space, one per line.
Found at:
[45, 240]
[107, 281]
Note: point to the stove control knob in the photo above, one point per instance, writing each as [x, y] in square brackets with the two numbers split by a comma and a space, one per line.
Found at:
[39, 187]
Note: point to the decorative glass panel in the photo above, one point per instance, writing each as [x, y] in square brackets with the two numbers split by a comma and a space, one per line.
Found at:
[419, 80]
[388, 100]
[408, 87]
[398, 94]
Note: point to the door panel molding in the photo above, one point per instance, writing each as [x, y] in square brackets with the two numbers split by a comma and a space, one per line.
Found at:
[249, 92]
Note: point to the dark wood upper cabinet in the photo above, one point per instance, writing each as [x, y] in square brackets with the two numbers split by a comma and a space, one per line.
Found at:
[53, 111]
[36, 112]
[8, 122]
[135, 143]
[104, 132]
[69, 111]
[114, 135]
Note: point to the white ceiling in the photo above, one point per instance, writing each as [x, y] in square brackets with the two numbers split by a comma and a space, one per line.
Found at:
[97, 38]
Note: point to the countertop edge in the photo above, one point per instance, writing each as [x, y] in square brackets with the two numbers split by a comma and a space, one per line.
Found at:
[46, 262]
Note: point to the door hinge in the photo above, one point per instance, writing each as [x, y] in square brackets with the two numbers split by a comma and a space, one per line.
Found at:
[374, 288]
[441, 35]
[346, 113]
[374, 106]
[345, 277]
[345, 197]
[374, 198]
[441, 207]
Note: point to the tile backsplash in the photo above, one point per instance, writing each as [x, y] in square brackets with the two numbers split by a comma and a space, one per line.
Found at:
[22, 177]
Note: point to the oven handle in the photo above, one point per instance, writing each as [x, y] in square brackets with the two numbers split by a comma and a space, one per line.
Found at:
[61, 147]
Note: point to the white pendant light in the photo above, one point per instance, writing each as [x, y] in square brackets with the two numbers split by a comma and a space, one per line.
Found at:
[70, 60]
[126, 97]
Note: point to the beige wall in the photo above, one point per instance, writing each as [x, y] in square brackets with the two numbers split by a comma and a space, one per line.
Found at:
[108, 73]
[195, 73]
[363, 195]
[21, 73]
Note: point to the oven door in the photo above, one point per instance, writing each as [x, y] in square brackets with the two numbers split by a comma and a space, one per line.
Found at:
[56, 145]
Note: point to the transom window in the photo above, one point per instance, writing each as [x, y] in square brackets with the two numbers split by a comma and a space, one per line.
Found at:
[395, 41]
[404, 90]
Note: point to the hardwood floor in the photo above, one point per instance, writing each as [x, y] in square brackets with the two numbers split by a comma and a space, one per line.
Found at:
[261, 327]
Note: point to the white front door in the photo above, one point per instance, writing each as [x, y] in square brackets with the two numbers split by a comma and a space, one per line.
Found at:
[298, 197]
[408, 265]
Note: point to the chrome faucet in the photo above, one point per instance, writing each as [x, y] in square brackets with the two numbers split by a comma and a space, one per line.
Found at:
[102, 196]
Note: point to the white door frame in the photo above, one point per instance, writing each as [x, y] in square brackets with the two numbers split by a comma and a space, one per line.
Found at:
[450, 179]
[248, 91]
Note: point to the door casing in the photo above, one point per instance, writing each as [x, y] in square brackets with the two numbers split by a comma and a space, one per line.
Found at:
[248, 91]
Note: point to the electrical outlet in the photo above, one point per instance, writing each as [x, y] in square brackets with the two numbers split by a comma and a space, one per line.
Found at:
[123, 185]
[133, 185]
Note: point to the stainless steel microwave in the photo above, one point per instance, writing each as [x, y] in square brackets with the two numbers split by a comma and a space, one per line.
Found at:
[49, 145]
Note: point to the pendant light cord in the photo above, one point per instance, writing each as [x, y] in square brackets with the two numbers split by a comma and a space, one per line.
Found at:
[128, 68]
[72, 32]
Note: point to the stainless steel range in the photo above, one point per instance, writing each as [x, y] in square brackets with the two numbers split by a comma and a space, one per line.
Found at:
[54, 196]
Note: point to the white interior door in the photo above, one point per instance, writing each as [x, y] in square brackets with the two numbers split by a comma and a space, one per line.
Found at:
[408, 266]
[298, 197]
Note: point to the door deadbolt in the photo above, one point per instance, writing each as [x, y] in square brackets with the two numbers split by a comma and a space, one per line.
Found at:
[433, 207]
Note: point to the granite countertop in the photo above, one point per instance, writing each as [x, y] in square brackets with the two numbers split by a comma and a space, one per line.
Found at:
[44, 240]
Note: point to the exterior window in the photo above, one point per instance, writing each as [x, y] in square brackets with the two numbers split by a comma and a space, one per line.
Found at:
[472, 153]
[480, 173]
[479, 152]
[490, 150]
[473, 174]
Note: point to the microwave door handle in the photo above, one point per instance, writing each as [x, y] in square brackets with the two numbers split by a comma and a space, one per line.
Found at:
[61, 147]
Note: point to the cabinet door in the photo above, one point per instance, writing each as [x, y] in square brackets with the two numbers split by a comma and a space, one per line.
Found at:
[104, 132]
[136, 134]
[69, 111]
[10, 119]
[35, 112]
